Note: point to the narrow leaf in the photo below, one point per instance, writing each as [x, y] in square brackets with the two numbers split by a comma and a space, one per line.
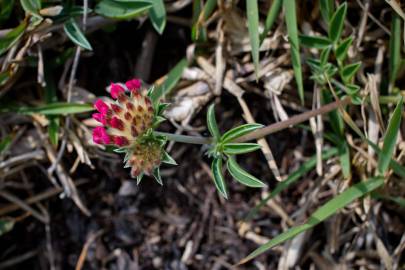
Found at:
[240, 148]
[292, 30]
[349, 71]
[390, 139]
[272, 15]
[156, 175]
[157, 15]
[122, 10]
[318, 42]
[6, 225]
[342, 48]
[31, 7]
[395, 48]
[12, 37]
[325, 211]
[73, 31]
[253, 27]
[219, 181]
[59, 108]
[337, 23]
[237, 132]
[241, 175]
[326, 7]
[4, 143]
[212, 122]
[168, 159]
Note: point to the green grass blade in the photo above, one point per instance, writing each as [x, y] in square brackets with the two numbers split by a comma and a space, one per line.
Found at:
[272, 15]
[390, 139]
[57, 108]
[243, 176]
[157, 15]
[253, 27]
[12, 37]
[291, 179]
[292, 29]
[73, 31]
[395, 48]
[344, 158]
[170, 82]
[324, 212]
[219, 181]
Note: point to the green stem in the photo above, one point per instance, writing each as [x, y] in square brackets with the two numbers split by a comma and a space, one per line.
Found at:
[184, 138]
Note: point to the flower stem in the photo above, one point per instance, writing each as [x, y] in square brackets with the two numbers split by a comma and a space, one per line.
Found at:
[263, 132]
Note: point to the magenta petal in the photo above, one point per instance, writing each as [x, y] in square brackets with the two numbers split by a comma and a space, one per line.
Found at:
[100, 118]
[116, 90]
[133, 84]
[101, 106]
[97, 135]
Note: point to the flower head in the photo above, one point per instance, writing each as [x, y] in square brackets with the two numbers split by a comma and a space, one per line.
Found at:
[145, 157]
[124, 119]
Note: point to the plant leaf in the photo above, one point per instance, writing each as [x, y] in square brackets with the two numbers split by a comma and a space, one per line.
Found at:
[6, 7]
[395, 48]
[349, 71]
[253, 27]
[5, 142]
[337, 23]
[168, 159]
[318, 42]
[239, 131]
[219, 181]
[292, 30]
[6, 225]
[326, 7]
[156, 175]
[212, 123]
[157, 15]
[12, 37]
[291, 179]
[390, 139]
[240, 148]
[241, 175]
[272, 15]
[57, 108]
[123, 9]
[342, 48]
[32, 7]
[171, 80]
[324, 212]
[73, 31]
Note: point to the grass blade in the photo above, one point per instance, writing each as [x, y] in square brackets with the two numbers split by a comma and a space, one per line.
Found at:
[171, 80]
[12, 37]
[291, 179]
[253, 27]
[274, 11]
[291, 20]
[395, 48]
[324, 212]
[390, 139]
[57, 108]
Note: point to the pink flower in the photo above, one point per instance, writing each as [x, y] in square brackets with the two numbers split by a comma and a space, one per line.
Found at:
[121, 141]
[100, 136]
[116, 90]
[133, 85]
[100, 118]
[101, 107]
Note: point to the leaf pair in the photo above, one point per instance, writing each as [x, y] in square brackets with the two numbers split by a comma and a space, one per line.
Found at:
[224, 147]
